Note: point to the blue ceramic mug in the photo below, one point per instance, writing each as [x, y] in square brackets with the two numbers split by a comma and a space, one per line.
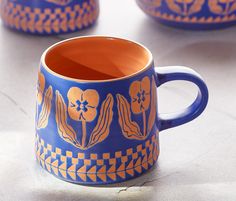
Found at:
[46, 17]
[191, 14]
[97, 119]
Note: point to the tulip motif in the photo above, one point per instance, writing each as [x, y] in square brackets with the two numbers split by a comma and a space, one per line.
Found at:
[140, 98]
[222, 7]
[82, 107]
[143, 98]
[185, 7]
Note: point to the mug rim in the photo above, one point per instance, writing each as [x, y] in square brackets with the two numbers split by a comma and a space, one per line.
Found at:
[146, 67]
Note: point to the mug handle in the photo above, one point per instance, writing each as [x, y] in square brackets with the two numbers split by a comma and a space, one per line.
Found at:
[172, 73]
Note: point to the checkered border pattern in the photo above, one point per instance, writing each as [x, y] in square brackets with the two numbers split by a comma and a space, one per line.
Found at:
[49, 21]
[96, 167]
[186, 19]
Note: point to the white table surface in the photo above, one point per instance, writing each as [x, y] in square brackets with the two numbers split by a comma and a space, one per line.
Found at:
[197, 161]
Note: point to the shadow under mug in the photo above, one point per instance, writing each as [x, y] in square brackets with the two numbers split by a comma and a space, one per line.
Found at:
[191, 14]
[47, 17]
[97, 119]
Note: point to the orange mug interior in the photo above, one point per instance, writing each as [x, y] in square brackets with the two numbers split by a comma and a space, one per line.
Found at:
[97, 58]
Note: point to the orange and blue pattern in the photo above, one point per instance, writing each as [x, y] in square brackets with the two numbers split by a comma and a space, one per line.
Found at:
[140, 93]
[192, 14]
[94, 135]
[107, 130]
[99, 167]
[49, 16]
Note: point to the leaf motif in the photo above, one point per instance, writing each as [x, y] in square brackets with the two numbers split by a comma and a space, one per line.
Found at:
[130, 129]
[196, 7]
[173, 6]
[153, 108]
[233, 8]
[102, 129]
[223, 8]
[46, 109]
[215, 7]
[65, 131]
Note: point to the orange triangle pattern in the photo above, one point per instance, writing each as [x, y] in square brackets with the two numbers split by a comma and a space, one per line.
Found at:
[42, 156]
[102, 170]
[82, 169]
[48, 167]
[72, 175]
[55, 170]
[72, 171]
[24, 17]
[93, 169]
[145, 165]
[145, 162]
[97, 173]
[121, 174]
[82, 176]
[138, 169]
[55, 163]
[92, 176]
[63, 173]
[112, 176]
[138, 162]
[121, 168]
[130, 172]
[130, 165]
[103, 177]
[42, 163]
[112, 169]
[48, 163]
[63, 166]
[72, 168]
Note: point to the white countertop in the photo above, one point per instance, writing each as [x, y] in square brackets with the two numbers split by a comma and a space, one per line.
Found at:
[197, 160]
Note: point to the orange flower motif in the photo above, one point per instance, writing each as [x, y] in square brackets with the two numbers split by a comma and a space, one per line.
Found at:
[40, 88]
[140, 94]
[82, 104]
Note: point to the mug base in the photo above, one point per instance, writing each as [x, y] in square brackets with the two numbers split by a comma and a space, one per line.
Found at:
[196, 26]
[101, 183]
[105, 168]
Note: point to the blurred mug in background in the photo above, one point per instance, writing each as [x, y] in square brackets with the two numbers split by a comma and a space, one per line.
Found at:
[191, 14]
[46, 17]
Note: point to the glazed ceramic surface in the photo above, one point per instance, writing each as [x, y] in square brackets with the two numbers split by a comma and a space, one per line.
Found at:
[97, 120]
[191, 14]
[46, 17]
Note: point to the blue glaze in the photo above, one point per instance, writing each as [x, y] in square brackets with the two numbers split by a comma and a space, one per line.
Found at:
[129, 114]
[168, 74]
[205, 15]
[48, 17]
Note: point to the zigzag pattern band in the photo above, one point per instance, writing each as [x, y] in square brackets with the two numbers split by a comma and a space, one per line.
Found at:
[98, 167]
